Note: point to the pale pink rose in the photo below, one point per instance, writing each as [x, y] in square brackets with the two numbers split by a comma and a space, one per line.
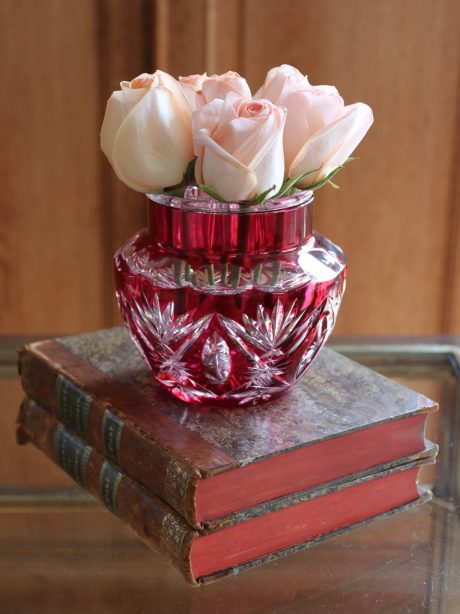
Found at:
[147, 132]
[239, 146]
[218, 86]
[321, 132]
[192, 86]
[201, 89]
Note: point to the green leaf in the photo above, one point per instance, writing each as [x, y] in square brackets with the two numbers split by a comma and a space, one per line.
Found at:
[211, 192]
[262, 197]
[288, 186]
[327, 179]
[177, 190]
[189, 175]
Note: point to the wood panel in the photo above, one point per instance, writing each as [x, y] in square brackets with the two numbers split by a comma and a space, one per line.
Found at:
[50, 233]
[396, 215]
[180, 35]
[63, 212]
[451, 323]
[392, 216]
[124, 51]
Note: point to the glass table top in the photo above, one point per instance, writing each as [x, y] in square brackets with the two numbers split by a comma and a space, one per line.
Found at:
[61, 551]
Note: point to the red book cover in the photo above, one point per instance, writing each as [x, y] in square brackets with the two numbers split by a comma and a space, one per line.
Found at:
[290, 524]
[342, 418]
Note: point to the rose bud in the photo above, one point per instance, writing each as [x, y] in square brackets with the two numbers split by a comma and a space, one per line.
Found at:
[146, 133]
[201, 89]
[321, 132]
[239, 146]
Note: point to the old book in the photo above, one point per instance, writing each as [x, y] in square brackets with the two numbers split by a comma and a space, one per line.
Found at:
[342, 418]
[291, 523]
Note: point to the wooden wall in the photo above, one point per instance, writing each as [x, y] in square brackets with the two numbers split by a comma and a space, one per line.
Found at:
[63, 213]
[397, 213]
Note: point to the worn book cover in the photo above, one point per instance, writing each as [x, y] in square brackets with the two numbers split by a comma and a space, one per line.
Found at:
[342, 418]
[260, 534]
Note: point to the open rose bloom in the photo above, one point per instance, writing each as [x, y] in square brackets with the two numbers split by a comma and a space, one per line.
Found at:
[239, 146]
[245, 146]
[229, 293]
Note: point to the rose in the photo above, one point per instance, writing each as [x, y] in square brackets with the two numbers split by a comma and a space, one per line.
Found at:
[146, 133]
[239, 146]
[321, 132]
[192, 88]
[201, 89]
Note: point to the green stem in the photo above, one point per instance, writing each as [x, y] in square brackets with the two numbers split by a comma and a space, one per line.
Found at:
[176, 191]
[210, 270]
[235, 273]
[256, 273]
[187, 272]
[223, 273]
[178, 271]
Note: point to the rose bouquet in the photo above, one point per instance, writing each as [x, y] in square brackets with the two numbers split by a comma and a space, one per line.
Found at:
[229, 293]
[289, 135]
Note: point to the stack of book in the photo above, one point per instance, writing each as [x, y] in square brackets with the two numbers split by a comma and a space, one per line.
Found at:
[220, 490]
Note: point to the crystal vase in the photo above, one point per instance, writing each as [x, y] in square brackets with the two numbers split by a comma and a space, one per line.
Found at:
[229, 303]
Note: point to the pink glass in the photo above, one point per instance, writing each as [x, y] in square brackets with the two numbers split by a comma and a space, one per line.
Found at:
[229, 303]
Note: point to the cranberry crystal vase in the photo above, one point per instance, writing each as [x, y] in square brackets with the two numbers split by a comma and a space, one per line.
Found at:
[229, 302]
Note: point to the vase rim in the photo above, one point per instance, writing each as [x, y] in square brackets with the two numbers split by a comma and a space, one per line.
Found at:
[200, 202]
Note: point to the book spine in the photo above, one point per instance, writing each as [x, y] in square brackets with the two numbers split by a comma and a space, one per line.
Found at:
[153, 520]
[98, 423]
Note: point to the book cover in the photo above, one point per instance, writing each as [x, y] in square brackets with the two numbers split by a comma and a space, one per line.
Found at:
[340, 419]
[262, 534]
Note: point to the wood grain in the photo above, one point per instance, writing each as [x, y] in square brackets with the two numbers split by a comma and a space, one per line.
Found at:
[393, 214]
[51, 267]
[125, 51]
[63, 212]
[397, 216]
[180, 30]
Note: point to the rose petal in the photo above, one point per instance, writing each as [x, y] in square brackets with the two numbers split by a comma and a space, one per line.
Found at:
[195, 99]
[256, 145]
[218, 86]
[269, 167]
[154, 144]
[166, 80]
[234, 135]
[205, 118]
[231, 179]
[363, 119]
[307, 114]
[331, 146]
[118, 106]
[281, 81]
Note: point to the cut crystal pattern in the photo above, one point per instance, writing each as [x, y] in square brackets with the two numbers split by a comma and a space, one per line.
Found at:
[217, 315]
[216, 360]
[165, 334]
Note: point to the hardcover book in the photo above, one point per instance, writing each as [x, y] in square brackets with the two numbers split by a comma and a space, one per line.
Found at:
[342, 418]
[263, 533]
